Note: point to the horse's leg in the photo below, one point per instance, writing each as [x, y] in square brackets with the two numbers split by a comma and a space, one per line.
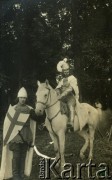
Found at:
[85, 135]
[56, 147]
[61, 135]
[91, 134]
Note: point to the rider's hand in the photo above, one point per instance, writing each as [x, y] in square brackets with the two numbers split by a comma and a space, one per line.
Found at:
[59, 97]
[58, 91]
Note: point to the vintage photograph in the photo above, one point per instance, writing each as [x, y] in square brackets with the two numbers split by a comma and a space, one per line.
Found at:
[55, 89]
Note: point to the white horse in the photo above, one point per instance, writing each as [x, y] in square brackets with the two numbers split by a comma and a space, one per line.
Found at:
[56, 122]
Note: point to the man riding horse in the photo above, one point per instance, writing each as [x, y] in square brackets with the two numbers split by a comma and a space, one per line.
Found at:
[68, 91]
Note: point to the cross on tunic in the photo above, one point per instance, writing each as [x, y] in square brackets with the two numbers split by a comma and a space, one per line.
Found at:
[12, 125]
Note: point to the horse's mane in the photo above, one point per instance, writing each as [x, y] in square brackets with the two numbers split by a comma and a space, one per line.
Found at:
[46, 85]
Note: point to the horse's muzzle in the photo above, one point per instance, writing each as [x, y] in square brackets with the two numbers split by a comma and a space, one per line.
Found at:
[39, 112]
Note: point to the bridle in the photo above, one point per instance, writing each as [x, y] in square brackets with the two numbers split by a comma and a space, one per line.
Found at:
[45, 104]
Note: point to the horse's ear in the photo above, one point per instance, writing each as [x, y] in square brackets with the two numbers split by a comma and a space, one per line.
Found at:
[38, 83]
[47, 82]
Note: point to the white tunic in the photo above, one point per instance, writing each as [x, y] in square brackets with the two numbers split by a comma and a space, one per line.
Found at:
[73, 83]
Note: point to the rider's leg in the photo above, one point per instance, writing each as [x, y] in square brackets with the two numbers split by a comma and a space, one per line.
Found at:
[78, 113]
[71, 106]
[72, 115]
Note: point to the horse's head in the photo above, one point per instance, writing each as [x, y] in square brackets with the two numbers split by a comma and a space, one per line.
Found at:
[42, 97]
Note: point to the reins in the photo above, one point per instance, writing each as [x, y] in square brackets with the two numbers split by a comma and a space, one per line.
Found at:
[50, 119]
[40, 102]
[45, 104]
[52, 105]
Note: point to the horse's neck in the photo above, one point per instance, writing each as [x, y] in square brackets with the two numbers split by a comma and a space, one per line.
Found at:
[53, 96]
[54, 105]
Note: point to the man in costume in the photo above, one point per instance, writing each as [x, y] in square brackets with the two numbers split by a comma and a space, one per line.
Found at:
[68, 91]
[18, 139]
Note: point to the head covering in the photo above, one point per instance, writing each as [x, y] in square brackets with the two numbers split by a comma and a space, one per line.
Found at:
[22, 93]
[98, 105]
[63, 65]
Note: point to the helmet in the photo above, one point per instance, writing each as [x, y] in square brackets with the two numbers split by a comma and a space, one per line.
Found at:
[63, 65]
[22, 93]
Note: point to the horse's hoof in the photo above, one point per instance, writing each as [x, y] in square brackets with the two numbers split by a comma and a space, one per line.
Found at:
[57, 165]
[90, 158]
[82, 156]
[62, 168]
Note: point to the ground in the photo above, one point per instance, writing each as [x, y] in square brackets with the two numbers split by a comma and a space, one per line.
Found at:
[102, 152]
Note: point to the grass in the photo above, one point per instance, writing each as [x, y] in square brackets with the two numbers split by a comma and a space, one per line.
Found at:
[102, 152]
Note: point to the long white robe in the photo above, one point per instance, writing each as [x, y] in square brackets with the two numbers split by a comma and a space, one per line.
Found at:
[7, 155]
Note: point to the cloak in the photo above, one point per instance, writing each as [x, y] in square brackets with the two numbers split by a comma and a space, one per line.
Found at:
[13, 123]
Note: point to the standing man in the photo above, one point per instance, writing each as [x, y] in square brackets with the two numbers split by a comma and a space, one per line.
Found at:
[18, 139]
[68, 91]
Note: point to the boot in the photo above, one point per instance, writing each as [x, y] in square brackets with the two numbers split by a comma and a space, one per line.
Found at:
[15, 169]
[70, 124]
[22, 167]
[22, 161]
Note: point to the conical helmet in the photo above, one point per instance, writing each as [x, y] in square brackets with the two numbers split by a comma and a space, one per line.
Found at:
[22, 93]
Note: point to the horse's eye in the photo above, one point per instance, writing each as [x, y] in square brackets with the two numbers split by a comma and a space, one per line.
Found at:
[45, 95]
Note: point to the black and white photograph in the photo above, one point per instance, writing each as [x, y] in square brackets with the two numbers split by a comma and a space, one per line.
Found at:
[55, 89]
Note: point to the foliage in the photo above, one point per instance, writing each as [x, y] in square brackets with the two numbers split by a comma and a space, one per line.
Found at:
[35, 35]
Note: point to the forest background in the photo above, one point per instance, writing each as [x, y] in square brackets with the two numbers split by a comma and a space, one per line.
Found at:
[35, 35]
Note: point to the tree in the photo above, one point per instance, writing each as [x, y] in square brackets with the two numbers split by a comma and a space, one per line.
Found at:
[35, 35]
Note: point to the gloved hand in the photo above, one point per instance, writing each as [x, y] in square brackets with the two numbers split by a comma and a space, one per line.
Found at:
[33, 115]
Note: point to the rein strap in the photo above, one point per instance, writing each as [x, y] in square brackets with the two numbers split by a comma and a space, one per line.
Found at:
[50, 119]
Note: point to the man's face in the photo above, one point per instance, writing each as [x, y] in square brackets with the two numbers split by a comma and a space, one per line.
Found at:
[66, 73]
[22, 100]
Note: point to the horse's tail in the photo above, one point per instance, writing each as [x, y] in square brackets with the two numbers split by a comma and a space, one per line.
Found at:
[99, 110]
